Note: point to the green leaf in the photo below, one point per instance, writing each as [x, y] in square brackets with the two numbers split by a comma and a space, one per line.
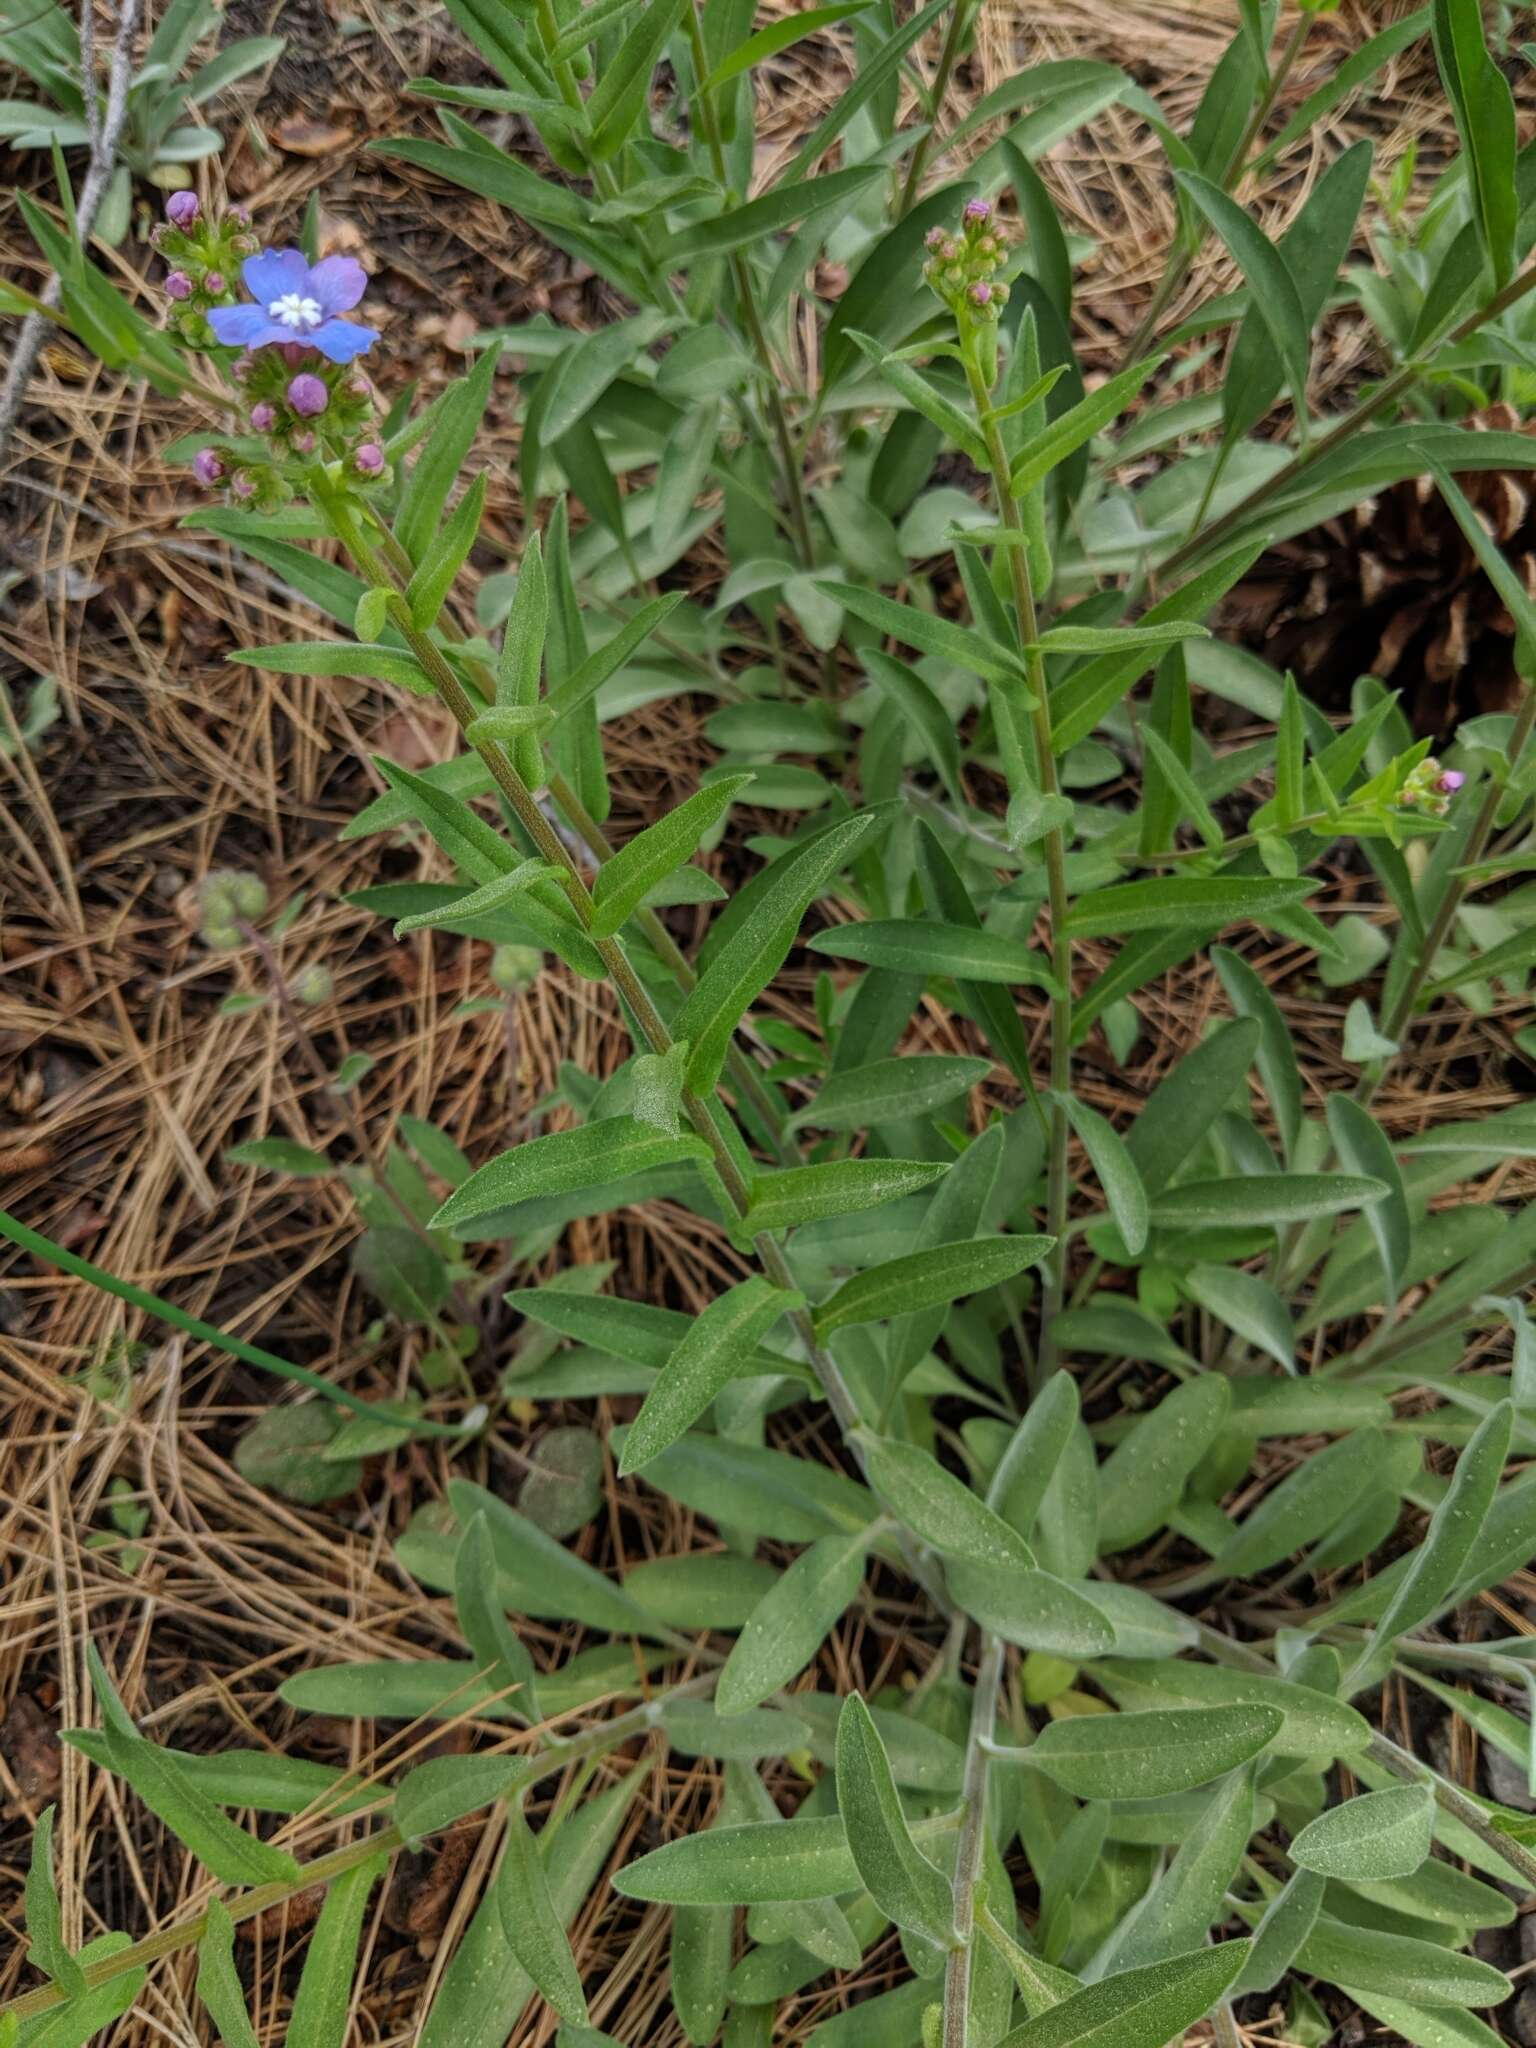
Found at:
[1144, 1756]
[1137, 2008]
[962, 647]
[227, 1851]
[531, 1924]
[747, 1486]
[886, 1091]
[1143, 1477]
[623, 883]
[445, 556]
[432, 1796]
[588, 1156]
[924, 398]
[576, 1591]
[1439, 1563]
[495, 1645]
[1422, 1972]
[912, 945]
[1373, 1836]
[1191, 901]
[779, 35]
[938, 1507]
[1115, 1169]
[1249, 1306]
[776, 208]
[1517, 599]
[922, 709]
[323, 2001]
[1266, 1198]
[218, 1981]
[72, 2025]
[757, 1863]
[1273, 288]
[1071, 429]
[789, 1196]
[281, 1155]
[624, 82]
[1250, 997]
[494, 895]
[706, 1360]
[607, 660]
[789, 1624]
[1176, 1115]
[1485, 119]
[924, 1279]
[898, 1876]
[1035, 1609]
[1116, 639]
[432, 475]
[1191, 1894]
[1342, 79]
[1363, 1147]
[757, 947]
[1288, 1919]
[469, 842]
[338, 658]
[46, 1948]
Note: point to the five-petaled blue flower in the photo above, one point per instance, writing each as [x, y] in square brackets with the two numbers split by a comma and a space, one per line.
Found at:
[297, 302]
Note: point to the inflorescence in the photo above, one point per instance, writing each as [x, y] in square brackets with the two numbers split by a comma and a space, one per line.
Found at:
[962, 268]
[286, 348]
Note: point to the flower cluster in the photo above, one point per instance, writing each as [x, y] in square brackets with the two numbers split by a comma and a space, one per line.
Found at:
[1429, 787]
[962, 268]
[302, 397]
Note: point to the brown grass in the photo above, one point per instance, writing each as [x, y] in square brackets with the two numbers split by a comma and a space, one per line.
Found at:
[122, 1084]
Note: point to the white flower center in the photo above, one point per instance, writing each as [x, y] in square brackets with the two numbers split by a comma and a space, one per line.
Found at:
[293, 311]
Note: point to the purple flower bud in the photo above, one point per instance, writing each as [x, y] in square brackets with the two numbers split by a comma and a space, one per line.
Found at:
[263, 417]
[208, 467]
[978, 209]
[307, 395]
[359, 386]
[302, 444]
[182, 209]
[242, 485]
[935, 239]
[178, 285]
[241, 216]
[1450, 782]
[981, 293]
[369, 458]
[214, 282]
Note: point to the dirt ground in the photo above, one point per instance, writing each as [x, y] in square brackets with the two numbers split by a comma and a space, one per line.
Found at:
[123, 1080]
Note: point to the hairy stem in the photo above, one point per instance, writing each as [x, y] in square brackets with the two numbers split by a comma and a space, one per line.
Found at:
[1055, 846]
[701, 1114]
[972, 1844]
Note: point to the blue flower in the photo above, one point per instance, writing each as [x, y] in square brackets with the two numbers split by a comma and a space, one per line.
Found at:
[296, 302]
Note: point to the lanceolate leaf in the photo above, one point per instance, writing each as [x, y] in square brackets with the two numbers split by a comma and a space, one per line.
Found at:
[1269, 279]
[623, 882]
[925, 1279]
[45, 1927]
[705, 1361]
[1485, 116]
[940, 1508]
[588, 1156]
[792, 1195]
[915, 945]
[888, 1090]
[324, 1997]
[531, 1924]
[899, 1877]
[1116, 1172]
[1363, 1147]
[1143, 1756]
[787, 1627]
[757, 947]
[1205, 904]
[1373, 1836]
[218, 1981]
[1137, 2008]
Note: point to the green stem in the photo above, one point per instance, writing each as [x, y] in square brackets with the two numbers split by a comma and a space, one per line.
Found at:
[746, 299]
[972, 1843]
[324, 1870]
[1057, 1184]
[167, 1312]
[1385, 396]
[949, 56]
[616, 962]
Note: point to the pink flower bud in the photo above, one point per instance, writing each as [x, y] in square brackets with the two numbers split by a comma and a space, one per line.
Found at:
[263, 417]
[1450, 782]
[207, 467]
[307, 395]
[369, 458]
[935, 239]
[178, 285]
[981, 293]
[302, 444]
[241, 216]
[978, 209]
[182, 210]
[242, 485]
[359, 386]
[242, 367]
[214, 282]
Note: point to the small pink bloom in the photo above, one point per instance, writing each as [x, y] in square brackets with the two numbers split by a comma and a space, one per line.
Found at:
[307, 395]
[263, 417]
[1450, 782]
[303, 444]
[242, 367]
[935, 239]
[359, 386]
[178, 285]
[242, 485]
[182, 210]
[207, 467]
[981, 293]
[369, 458]
[978, 209]
[214, 282]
